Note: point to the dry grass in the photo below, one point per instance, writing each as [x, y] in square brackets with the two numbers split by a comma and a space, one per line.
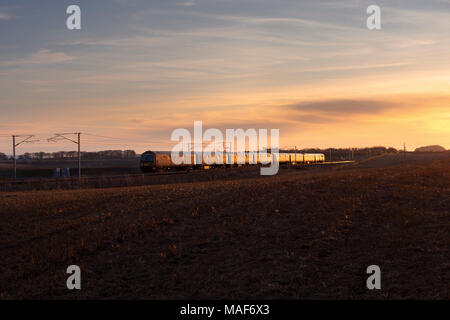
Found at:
[126, 180]
[299, 235]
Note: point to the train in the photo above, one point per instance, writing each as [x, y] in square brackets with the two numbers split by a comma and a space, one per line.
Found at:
[157, 161]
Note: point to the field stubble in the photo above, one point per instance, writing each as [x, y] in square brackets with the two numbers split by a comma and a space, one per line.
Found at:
[299, 235]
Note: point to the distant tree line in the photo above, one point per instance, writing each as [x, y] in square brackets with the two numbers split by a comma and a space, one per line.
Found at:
[434, 148]
[63, 155]
[347, 153]
[335, 153]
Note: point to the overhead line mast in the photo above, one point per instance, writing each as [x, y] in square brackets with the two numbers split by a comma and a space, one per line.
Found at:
[25, 140]
[62, 136]
[55, 138]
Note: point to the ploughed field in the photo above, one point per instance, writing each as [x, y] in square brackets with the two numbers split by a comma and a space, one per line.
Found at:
[306, 234]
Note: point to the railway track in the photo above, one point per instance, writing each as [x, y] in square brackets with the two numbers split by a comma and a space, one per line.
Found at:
[112, 180]
[91, 178]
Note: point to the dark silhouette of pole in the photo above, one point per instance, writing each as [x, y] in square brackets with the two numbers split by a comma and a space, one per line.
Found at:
[15, 144]
[79, 155]
[404, 152]
[14, 157]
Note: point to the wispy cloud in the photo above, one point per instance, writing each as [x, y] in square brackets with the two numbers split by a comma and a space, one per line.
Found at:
[188, 3]
[42, 57]
[4, 16]
[343, 107]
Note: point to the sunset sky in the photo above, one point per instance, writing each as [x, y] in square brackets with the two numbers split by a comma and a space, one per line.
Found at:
[139, 69]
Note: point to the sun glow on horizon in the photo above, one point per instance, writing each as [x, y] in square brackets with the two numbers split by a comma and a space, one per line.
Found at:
[311, 69]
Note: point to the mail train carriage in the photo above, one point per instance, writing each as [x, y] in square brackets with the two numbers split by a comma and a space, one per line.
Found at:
[153, 161]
